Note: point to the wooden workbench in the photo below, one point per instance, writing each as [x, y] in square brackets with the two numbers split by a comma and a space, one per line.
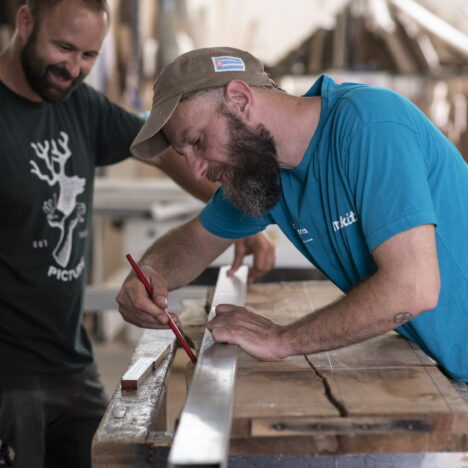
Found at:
[381, 396]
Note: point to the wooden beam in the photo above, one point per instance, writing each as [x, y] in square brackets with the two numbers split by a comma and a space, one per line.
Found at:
[433, 24]
[133, 418]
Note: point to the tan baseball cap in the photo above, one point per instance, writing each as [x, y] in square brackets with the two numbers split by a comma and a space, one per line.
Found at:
[188, 74]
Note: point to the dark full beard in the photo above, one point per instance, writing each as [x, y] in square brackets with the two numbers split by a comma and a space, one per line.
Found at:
[252, 177]
[37, 72]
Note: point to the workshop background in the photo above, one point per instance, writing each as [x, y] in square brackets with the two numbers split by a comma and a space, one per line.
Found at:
[418, 48]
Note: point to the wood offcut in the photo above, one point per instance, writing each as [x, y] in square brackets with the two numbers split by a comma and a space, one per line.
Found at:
[140, 369]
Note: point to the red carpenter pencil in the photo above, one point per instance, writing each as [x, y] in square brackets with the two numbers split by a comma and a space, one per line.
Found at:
[172, 325]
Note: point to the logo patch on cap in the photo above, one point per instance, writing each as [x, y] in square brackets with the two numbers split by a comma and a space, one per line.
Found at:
[227, 63]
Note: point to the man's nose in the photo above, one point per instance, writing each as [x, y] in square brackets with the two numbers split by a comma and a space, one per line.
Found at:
[198, 166]
[75, 66]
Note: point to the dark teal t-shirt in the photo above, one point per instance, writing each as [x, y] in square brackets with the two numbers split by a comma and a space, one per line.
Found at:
[376, 166]
[48, 156]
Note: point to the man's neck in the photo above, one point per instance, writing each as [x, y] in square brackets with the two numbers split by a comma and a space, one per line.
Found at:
[293, 121]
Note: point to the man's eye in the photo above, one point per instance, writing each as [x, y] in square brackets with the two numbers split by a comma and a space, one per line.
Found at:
[90, 55]
[197, 143]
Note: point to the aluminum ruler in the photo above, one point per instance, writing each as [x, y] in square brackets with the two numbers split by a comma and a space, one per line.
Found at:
[202, 437]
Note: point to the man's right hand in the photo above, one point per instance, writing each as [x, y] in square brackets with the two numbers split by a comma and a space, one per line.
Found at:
[138, 308]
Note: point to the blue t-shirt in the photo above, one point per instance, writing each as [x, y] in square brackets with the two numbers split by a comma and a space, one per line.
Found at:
[376, 166]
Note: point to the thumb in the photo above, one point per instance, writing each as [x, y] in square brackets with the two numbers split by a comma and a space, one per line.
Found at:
[239, 254]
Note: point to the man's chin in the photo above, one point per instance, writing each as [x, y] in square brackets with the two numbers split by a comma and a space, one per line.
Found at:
[55, 95]
[53, 91]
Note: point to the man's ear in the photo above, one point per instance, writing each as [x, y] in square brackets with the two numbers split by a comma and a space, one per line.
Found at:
[24, 23]
[238, 97]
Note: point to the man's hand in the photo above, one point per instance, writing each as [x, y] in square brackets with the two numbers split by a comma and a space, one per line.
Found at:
[138, 308]
[255, 334]
[263, 250]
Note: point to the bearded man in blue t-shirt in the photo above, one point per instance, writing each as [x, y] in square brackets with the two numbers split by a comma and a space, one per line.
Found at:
[356, 176]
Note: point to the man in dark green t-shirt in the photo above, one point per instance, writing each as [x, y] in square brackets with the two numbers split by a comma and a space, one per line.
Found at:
[55, 131]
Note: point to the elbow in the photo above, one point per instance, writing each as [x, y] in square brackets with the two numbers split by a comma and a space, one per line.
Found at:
[428, 301]
[424, 295]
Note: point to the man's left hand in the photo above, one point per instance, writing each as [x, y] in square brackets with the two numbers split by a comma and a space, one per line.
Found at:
[263, 250]
[255, 334]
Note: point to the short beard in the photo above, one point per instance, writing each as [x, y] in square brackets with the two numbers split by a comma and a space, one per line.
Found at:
[36, 72]
[252, 181]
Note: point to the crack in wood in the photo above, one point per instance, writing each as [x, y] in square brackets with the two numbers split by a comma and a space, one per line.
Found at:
[328, 392]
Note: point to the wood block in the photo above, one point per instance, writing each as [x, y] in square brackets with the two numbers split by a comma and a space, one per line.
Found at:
[140, 369]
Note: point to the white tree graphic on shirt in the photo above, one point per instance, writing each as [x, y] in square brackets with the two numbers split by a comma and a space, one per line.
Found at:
[63, 212]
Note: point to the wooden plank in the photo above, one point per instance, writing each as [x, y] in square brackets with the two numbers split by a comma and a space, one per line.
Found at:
[351, 443]
[285, 302]
[301, 426]
[394, 392]
[133, 418]
[389, 350]
[279, 390]
[382, 395]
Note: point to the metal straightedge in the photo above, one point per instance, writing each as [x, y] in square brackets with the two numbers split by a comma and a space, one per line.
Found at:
[202, 437]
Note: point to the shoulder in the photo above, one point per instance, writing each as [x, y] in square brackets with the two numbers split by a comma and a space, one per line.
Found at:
[372, 104]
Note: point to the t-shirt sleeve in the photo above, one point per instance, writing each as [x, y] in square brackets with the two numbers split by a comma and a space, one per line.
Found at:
[389, 177]
[115, 128]
[223, 219]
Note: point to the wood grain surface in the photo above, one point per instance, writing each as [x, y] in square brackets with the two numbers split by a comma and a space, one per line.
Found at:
[380, 396]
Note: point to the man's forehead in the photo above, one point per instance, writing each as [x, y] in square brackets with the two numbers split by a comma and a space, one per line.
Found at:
[72, 19]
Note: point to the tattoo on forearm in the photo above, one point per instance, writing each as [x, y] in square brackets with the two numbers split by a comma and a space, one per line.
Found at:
[402, 317]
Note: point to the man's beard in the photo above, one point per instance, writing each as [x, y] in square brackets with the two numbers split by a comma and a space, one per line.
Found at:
[37, 72]
[252, 175]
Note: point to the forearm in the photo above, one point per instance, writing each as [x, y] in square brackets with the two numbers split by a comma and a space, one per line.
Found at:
[406, 283]
[183, 253]
[372, 308]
